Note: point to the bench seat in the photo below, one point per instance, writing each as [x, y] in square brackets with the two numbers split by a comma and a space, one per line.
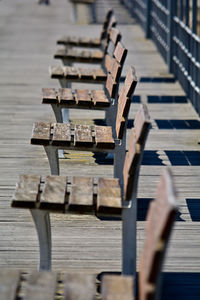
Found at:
[76, 98]
[77, 74]
[83, 56]
[69, 194]
[79, 41]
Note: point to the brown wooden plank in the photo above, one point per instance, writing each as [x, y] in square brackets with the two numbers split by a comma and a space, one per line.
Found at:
[130, 82]
[61, 134]
[65, 96]
[49, 96]
[120, 125]
[27, 190]
[41, 286]
[9, 283]
[116, 71]
[109, 60]
[115, 35]
[99, 98]
[141, 123]
[56, 72]
[82, 97]
[109, 197]
[117, 287]
[81, 196]
[79, 287]
[71, 73]
[60, 54]
[111, 86]
[86, 73]
[97, 55]
[54, 193]
[99, 74]
[83, 136]
[161, 215]
[41, 133]
[120, 53]
[104, 137]
[84, 54]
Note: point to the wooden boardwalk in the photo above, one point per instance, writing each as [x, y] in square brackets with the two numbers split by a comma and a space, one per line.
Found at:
[28, 34]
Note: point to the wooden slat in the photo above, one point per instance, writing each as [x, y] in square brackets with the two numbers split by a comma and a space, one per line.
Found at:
[79, 287]
[81, 196]
[86, 73]
[61, 134]
[41, 286]
[84, 53]
[56, 72]
[100, 75]
[9, 284]
[49, 96]
[130, 82]
[65, 96]
[141, 123]
[109, 60]
[83, 136]
[71, 73]
[60, 54]
[104, 137]
[120, 53]
[54, 193]
[160, 219]
[117, 287]
[97, 55]
[111, 86]
[115, 35]
[109, 196]
[82, 97]
[99, 98]
[27, 190]
[116, 71]
[131, 165]
[41, 133]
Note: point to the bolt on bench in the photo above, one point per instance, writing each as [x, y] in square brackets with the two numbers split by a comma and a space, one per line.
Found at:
[160, 219]
[54, 136]
[102, 197]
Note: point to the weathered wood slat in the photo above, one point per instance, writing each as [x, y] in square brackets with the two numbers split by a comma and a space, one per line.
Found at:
[81, 195]
[109, 196]
[115, 35]
[56, 72]
[83, 136]
[79, 287]
[104, 137]
[130, 82]
[117, 287]
[26, 191]
[86, 73]
[109, 60]
[111, 86]
[41, 286]
[61, 134]
[9, 283]
[41, 133]
[54, 193]
[49, 96]
[100, 74]
[120, 53]
[82, 97]
[71, 72]
[99, 98]
[141, 122]
[65, 96]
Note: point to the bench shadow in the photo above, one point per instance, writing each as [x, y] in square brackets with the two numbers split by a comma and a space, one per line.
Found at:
[194, 209]
[167, 99]
[178, 124]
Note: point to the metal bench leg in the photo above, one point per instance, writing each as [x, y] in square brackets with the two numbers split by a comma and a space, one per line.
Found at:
[65, 111]
[42, 223]
[119, 157]
[57, 112]
[52, 154]
[110, 117]
[129, 225]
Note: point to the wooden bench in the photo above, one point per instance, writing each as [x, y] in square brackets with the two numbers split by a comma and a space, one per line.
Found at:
[85, 195]
[54, 136]
[106, 99]
[160, 218]
[68, 74]
[97, 42]
[70, 55]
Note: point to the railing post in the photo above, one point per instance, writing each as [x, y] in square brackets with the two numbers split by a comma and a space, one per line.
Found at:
[148, 19]
[171, 8]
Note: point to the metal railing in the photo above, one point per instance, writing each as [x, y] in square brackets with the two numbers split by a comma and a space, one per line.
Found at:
[174, 26]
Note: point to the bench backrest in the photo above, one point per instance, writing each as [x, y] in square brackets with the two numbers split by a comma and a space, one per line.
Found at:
[124, 101]
[160, 218]
[114, 65]
[109, 21]
[134, 155]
